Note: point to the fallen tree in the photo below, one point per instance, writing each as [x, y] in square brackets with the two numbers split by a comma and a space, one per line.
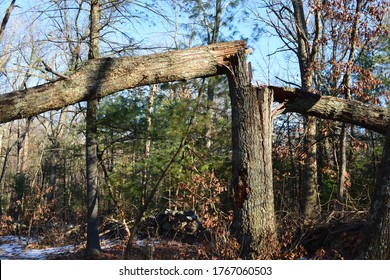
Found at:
[106, 76]
[327, 107]
[110, 75]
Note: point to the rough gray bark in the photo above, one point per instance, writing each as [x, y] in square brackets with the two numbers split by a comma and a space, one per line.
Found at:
[106, 76]
[252, 186]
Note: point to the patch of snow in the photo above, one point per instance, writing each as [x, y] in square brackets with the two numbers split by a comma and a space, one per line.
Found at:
[140, 242]
[145, 242]
[13, 247]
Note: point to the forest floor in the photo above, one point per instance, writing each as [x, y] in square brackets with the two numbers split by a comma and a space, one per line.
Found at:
[334, 235]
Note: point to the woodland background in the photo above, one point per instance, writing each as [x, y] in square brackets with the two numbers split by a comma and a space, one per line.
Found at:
[335, 48]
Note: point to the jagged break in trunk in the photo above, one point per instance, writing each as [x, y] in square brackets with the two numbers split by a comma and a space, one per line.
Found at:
[254, 220]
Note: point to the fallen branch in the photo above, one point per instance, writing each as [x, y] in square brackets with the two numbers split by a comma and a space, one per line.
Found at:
[328, 107]
[106, 76]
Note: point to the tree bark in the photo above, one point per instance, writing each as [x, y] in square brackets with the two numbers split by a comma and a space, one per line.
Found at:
[146, 176]
[106, 76]
[212, 81]
[342, 167]
[254, 217]
[327, 107]
[306, 55]
[347, 84]
[93, 243]
[6, 18]
[376, 245]
[110, 75]
[91, 144]
[310, 206]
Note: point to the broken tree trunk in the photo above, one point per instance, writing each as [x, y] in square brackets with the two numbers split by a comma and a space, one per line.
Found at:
[106, 76]
[327, 107]
[252, 187]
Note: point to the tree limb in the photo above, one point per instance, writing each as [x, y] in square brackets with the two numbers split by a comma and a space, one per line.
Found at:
[328, 107]
[6, 18]
[106, 76]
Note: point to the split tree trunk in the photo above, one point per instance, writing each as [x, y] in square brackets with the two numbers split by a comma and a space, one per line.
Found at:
[254, 216]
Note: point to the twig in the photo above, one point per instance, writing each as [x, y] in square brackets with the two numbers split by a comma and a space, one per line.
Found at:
[49, 69]
[287, 82]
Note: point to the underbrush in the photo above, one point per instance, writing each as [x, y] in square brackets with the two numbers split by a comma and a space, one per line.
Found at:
[332, 235]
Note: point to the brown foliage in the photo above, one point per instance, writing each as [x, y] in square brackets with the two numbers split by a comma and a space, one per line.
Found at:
[203, 194]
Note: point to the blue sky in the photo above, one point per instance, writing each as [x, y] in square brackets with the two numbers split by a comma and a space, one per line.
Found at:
[266, 62]
[156, 31]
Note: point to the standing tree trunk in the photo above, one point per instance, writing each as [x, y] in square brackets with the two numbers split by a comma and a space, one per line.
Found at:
[342, 167]
[1, 164]
[211, 85]
[377, 229]
[310, 206]
[93, 244]
[347, 84]
[254, 220]
[212, 35]
[306, 57]
[148, 144]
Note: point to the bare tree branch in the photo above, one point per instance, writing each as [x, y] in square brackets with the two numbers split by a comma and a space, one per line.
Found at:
[6, 18]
